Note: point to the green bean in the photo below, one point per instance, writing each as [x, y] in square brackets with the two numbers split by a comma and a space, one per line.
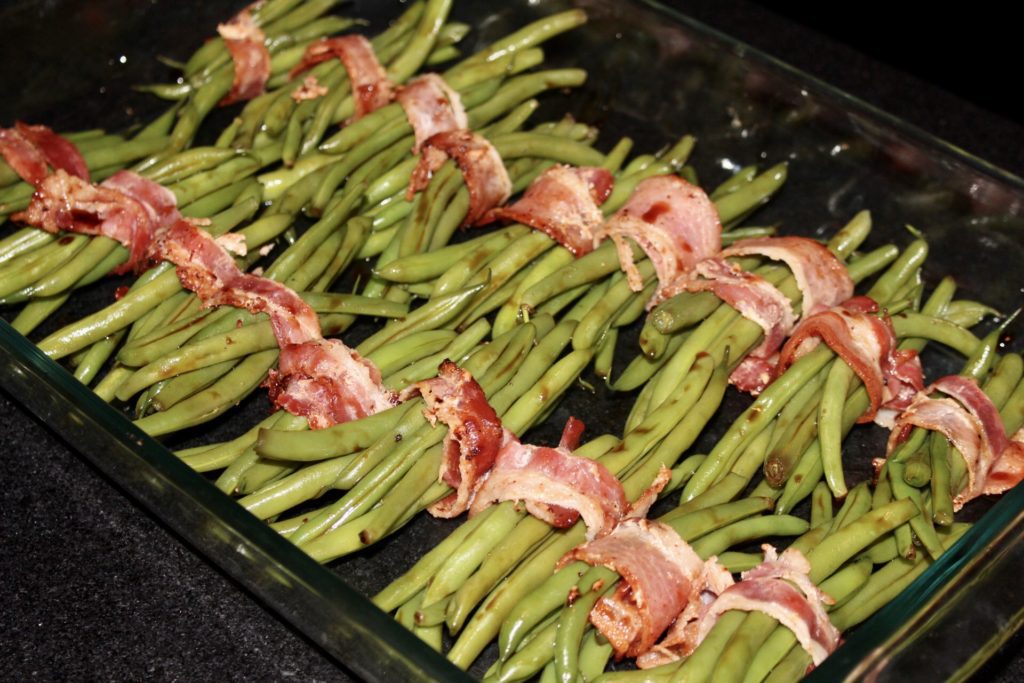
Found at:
[747, 530]
[748, 197]
[431, 315]
[574, 620]
[830, 425]
[35, 312]
[425, 368]
[821, 505]
[755, 419]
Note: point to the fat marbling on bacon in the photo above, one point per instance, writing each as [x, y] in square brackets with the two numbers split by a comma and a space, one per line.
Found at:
[555, 485]
[124, 207]
[474, 437]
[867, 343]
[661, 576]
[432, 107]
[821, 278]
[780, 587]
[564, 202]
[30, 149]
[321, 379]
[674, 222]
[371, 88]
[245, 42]
[754, 298]
[481, 166]
[973, 425]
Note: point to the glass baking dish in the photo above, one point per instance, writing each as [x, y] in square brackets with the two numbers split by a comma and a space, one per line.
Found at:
[654, 75]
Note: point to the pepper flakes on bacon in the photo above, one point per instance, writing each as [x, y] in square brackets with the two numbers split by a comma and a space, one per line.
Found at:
[474, 434]
[674, 222]
[31, 150]
[973, 425]
[371, 87]
[245, 42]
[565, 203]
[481, 166]
[867, 343]
[662, 577]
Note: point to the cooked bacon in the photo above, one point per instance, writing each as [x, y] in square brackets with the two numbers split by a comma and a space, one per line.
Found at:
[867, 344]
[371, 88]
[770, 588]
[555, 485]
[660, 573]
[321, 379]
[245, 43]
[822, 278]
[564, 202]
[485, 175]
[756, 299]
[328, 383]
[22, 156]
[973, 425]
[432, 107]
[309, 90]
[474, 433]
[30, 149]
[674, 222]
[208, 270]
[118, 208]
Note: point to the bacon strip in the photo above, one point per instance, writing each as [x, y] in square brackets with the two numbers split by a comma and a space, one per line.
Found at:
[822, 278]
[309, 90]
[676, 225]
[125, 207]
[327, 382]
[485, 175]
[245, 42]
[756, 299]
[321, 379]
[29, 149]
[770, 588]
[867, 344]
[371, 88]
[564, 202]
[432, 107]
[661, 575]
[555, 485]
[474, 434]
[974, 427]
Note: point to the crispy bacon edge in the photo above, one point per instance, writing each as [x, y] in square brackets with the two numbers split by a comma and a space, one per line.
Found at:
[661, 575]
[371, 88]
[565, 203]
[474, 437]
[482, 168]
[867, 344]
[674, 222]
[245, 42]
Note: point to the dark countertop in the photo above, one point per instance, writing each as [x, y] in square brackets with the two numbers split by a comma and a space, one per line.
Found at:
[94, 588]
